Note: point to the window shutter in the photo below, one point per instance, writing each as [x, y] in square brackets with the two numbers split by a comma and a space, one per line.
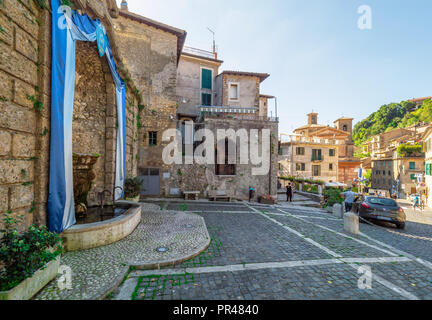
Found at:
[206, 79]
[206, 99]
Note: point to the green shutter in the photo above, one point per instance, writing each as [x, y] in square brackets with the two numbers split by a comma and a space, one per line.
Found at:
[412, 165]
[428, 169]
[413, 177]
[206, 79]
[206, 99]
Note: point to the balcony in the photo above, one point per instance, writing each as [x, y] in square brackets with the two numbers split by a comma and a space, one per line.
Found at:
[317, 158]
[227, 112]
[314, 140]
[199, 52]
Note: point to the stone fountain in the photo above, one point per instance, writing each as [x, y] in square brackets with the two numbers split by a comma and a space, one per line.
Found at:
[83, 176]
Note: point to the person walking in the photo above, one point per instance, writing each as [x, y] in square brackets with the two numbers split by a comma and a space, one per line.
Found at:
[416, 202]
[289, 192]
[251, 193]
[349, 199]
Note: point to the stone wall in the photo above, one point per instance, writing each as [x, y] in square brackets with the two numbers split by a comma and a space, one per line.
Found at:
[95, 118]
[24, 109]
[203, 178]
[25, 104]
[189, 82]
[150, 55]
[248, 91]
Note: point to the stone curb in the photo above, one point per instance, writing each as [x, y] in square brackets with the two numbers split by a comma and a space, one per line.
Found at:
[151, 266]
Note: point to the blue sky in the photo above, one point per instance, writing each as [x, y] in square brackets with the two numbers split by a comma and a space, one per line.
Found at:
[317, 56]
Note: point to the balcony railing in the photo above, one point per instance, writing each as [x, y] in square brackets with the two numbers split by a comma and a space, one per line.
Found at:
[226, 109]
[314, 140]
[317, 158]
[199, 52]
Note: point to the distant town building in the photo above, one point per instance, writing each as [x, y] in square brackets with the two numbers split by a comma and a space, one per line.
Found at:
[427, 141]
[397, 172]
[328, 152]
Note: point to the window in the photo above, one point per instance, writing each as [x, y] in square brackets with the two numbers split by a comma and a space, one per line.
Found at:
[384, 173]
[225, 169]
[300, 167]
[316, 171]
[428, 169]
[233, 91]
[412, 165]
[206, 99]
[331, 166]
[389, 173]
[332, 152]
[316, 155]
[345, 128]
[300, 151]
[413, 176]
[152, 138]
[206, 79]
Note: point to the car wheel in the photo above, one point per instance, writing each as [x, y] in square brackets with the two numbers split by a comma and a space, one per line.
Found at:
[400, 226]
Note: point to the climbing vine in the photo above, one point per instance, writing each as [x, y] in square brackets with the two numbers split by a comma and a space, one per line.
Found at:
[37, 104]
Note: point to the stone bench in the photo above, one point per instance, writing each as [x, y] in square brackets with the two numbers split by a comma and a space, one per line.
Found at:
[215, 195]
[195, 194]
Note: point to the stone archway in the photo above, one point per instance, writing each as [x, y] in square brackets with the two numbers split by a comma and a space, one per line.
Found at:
[94, 124]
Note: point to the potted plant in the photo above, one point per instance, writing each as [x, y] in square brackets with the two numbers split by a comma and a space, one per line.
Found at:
[266, 199]
[132, 189]
[29, 260]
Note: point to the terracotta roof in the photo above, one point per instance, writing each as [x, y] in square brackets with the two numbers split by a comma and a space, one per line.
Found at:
[266, 96]
[343, 118]
[311, 126]
[180, 34]
[344, 133]
[420, 99]
[262, 76]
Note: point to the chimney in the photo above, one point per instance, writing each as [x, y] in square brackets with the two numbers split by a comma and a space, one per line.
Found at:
[124, 6]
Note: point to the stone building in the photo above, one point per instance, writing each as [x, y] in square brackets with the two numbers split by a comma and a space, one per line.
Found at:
[397, 174]
[146, 53]
[391, 171]
[321, 152]
[309, 158]
[151, 52]
[427, 142]
[214, 100]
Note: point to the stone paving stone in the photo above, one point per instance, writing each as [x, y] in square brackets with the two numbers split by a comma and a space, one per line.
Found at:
[326, 282]
[250, 238]
[416, 239]
[411, 276]
[96, 270]
[345, 247]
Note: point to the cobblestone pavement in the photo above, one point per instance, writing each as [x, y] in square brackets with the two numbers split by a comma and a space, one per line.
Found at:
[96, 271]
[275, 252]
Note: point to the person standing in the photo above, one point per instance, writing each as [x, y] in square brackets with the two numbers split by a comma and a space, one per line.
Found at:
[349, 199]
[289, 192]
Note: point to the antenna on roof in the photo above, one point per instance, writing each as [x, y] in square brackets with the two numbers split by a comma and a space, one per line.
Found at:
[214, 41]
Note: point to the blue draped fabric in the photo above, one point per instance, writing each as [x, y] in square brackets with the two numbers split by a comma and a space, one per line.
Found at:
[68, 27]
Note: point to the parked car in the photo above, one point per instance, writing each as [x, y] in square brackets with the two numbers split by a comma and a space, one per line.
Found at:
[380, 209]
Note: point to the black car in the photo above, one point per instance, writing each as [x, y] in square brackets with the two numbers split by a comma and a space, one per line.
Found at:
[380, 209]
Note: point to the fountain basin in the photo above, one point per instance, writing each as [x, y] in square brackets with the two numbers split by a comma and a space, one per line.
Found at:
[97, 234]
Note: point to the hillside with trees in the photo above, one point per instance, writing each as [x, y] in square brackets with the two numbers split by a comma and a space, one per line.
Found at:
[392, 116]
